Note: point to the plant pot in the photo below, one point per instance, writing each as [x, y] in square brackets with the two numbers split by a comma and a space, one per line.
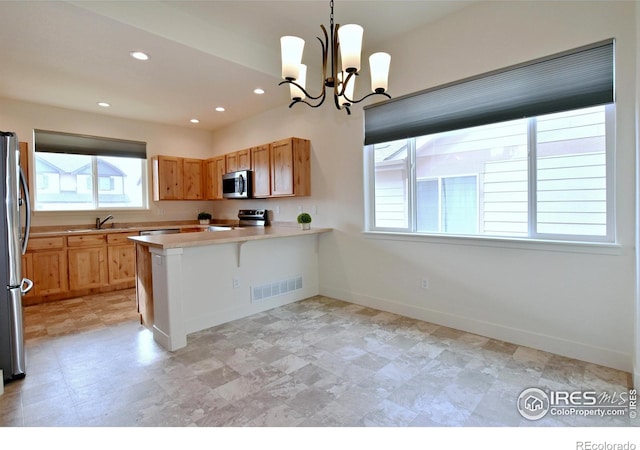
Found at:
[305, 226]
[204, 221]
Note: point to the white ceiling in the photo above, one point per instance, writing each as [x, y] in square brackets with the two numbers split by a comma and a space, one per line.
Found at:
[203, 53]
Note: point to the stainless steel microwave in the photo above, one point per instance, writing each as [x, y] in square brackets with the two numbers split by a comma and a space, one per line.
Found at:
[237, 184]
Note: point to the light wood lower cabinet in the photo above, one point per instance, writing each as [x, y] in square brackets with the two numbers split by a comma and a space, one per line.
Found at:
[121, 254]
[70, 266]
[87, 261]
[46, 265]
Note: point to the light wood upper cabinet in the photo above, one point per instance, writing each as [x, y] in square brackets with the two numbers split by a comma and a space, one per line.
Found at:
[261, 167]
[167, 178]
[244, 159]
[290, 167]
[214, 169]
[240, 160]
[282, 168]
[231, 162]
[193, 179]
[176, 178]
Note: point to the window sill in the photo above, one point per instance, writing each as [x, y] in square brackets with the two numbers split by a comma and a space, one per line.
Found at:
[598, 248]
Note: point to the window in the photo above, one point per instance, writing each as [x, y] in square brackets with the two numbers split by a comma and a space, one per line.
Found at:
[543, 177]
[88, 173]
[444, 168]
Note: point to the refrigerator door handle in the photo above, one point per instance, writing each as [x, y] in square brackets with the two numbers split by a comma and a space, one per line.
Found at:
[27, 200]
[29, 285]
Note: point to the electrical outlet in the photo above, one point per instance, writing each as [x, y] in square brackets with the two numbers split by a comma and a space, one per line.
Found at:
[236, 282]
[424, 283]
[277, 209]
[300, 208]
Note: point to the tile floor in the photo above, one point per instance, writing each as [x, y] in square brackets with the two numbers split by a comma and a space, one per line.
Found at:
[318, 363]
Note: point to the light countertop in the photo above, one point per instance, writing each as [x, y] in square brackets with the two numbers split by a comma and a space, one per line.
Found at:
[183, 240]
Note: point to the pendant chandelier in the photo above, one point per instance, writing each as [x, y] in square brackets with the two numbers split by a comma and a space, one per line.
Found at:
[344, 67]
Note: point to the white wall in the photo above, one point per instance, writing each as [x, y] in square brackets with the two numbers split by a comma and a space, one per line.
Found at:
[570, 300]
[23, 118]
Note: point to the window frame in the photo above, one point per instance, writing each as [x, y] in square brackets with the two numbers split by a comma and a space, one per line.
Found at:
[610, 238]
[95, 188]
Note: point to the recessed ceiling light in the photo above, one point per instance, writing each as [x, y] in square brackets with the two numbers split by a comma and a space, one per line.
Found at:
[220, 109]
[139, 55]
[104, 104]
[194, 121]
[258, 91]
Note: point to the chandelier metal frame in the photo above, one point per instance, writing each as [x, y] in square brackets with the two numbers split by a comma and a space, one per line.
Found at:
[334, 79]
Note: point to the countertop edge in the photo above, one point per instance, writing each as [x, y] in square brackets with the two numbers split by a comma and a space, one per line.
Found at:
[186, 240]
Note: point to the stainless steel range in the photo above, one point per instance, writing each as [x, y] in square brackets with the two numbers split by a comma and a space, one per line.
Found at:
[253, 217]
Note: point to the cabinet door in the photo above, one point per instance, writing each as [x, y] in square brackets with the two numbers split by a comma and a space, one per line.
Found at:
[214, 169]
[291, 167]
[244, 159]
[193, 179]
[167, 178]
[87, 267]
[48, 271]
[122, 263]
[282, 168]
[261, 167]
[231, 162]
[121, 256]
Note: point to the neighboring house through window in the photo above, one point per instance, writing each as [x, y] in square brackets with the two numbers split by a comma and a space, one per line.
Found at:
[546, 176]
[77, 176]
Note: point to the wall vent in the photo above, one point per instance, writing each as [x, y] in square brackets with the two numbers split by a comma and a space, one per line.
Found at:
[265, 291]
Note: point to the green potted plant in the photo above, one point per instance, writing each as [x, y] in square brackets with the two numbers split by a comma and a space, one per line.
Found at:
[204, 218]
[304, 219]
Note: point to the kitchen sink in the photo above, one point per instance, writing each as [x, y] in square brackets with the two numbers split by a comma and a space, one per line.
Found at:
[88, 230]
[222, 228]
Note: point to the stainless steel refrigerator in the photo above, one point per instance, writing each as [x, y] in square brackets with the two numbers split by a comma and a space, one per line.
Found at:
[15, 221]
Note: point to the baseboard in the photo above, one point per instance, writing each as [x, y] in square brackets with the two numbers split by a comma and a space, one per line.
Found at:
[552, 344]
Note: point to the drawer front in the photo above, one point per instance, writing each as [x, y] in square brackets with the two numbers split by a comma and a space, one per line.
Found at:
[89, 240]
[46, 243]
[120, 238]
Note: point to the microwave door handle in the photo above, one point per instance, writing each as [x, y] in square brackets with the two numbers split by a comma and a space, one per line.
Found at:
[27, 200]
[241, 184]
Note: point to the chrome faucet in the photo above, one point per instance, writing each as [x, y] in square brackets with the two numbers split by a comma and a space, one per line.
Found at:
[99, 223]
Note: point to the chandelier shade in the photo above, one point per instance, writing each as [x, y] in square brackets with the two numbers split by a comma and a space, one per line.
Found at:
[295, 91]
[379, 64]
[291, 48]
[341, 63]
[350, 38]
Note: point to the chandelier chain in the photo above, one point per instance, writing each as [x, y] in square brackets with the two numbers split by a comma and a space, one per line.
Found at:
[331, 3]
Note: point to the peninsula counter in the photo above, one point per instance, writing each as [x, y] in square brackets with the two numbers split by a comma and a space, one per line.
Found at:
[188, 282]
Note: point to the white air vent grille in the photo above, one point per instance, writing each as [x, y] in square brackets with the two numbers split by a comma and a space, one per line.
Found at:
[265, 291]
